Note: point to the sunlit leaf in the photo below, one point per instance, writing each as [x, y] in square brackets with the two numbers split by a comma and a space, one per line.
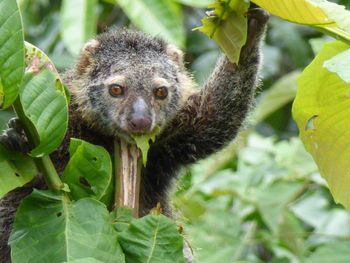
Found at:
[340, 64]
[79, 23]
[328, 17]
[298, 11]
[11, 52]
[157, 17]
[89, 171]
[49, 228]
[321, 110]
[153, 238]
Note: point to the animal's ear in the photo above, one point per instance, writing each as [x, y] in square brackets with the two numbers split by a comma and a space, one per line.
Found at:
[86, 58]
[175, 54]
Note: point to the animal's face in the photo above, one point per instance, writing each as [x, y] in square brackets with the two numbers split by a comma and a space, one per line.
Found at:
[131, 88]
[135, 96]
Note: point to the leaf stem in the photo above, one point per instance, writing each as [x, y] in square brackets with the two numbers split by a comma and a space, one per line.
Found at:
[44, 163]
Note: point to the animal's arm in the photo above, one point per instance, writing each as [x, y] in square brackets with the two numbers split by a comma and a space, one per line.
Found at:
[212, 117]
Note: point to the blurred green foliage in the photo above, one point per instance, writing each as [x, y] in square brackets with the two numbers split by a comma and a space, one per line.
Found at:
[261, 199]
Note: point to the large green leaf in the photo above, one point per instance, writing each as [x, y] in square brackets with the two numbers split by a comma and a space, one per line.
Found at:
[79, 23]
[339, 15]
[15, 170]
[157, 17]
[321, 110]
[45, 105]
[228, 27]
[11, 52]
[49, 228]
[153, 238]
[89, 171]
[328, 17]
[298, 11]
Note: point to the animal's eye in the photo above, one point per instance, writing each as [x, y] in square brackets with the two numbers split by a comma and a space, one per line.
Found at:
[116, 90]
[161, 93]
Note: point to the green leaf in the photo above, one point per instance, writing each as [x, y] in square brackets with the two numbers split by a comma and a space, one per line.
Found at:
[49, 228]
[11, 52]
[219, 227]
[321, 110]
[228, 27]
[46, 107]
[340, 64]
[121, 218]
[79, 23]
[157, 17]
[334, 252]
[290, 230]
[88, 172]
[272, 208]
[325, 16]
[37, 60]
[153, 238]
[16, 170]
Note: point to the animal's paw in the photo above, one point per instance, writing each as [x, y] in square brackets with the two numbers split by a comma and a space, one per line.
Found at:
[259, 15]
[14, 137]
[257, 20]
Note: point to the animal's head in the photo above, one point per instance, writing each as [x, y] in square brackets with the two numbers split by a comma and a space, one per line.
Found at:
[126, 82]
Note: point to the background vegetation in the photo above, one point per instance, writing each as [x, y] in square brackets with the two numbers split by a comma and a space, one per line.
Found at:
[262, 198]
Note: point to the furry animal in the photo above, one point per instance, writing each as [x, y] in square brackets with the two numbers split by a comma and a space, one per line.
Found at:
[126, 82]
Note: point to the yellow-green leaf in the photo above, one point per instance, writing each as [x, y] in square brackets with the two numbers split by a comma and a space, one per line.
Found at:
[330, 18]
[297, 11]
[321, 110]
[228, 26]
[142, 143]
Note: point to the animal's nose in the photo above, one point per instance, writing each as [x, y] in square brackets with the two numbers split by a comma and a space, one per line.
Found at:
[140, 123]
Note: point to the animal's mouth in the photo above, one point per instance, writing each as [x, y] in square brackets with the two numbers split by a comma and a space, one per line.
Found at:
[130, 136]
